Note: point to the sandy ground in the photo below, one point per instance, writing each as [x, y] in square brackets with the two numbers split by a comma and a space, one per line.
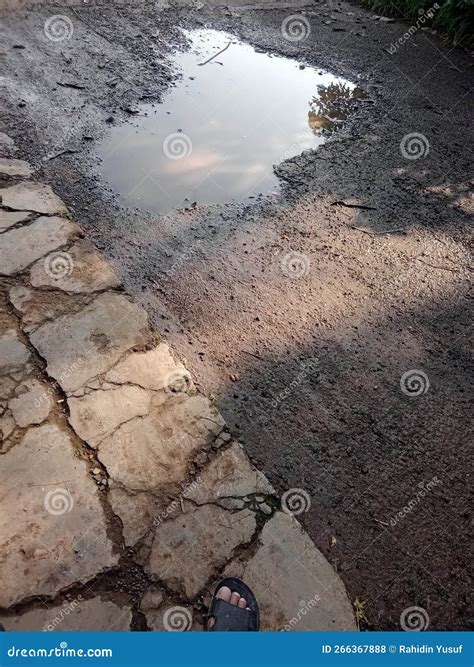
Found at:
[305, 370]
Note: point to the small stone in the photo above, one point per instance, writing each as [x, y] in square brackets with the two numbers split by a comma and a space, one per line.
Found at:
[13, 167]
[96, 471]
[29, 196]
[152, 600]
[21, 247]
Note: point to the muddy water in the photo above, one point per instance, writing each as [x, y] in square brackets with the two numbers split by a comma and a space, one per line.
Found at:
[216, 136]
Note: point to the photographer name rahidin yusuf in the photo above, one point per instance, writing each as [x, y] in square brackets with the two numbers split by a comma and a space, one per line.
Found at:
[425, 648]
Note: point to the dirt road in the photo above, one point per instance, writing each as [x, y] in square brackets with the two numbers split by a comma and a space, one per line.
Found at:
[305, 366]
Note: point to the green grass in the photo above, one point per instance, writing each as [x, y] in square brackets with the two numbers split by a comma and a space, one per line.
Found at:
[454, 18]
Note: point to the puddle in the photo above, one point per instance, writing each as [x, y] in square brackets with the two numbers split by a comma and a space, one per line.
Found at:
[218, 133]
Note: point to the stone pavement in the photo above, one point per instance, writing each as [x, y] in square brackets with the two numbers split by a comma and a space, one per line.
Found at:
[123, 497]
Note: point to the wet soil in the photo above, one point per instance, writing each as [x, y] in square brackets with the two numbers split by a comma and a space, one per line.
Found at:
[300, 315]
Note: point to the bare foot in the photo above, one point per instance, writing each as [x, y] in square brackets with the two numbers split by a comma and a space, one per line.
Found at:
[229, 596]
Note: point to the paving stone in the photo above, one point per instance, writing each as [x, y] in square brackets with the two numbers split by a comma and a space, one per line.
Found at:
[154, 369]
[187, 550]
[21, 247]
[6, 141]
[52, 526]
[153, 453]
[137, 511]
[296, 587]
[76, 615]
[10, 218]
[230, 473]
[7, 426]
[32, 404]
[13, 167]
[81, 346]
[30, 196]
[13, 354]
[37, 306]
[80, 269]
[99, 413]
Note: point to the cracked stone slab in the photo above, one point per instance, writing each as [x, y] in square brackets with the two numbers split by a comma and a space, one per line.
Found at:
[153, 453]
[36, 306]
[14, 167]
[187, 550]
[52, 526]
[30, 196]
[82, 345]
[10, 218]
[23, 246]
[99, 413]
[230, 474]
[13, 353]
[81, 270]
[76, 615]
[154, 369]
[32, 403]
[296, 587]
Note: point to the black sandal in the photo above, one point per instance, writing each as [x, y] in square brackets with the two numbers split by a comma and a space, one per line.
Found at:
[229, 618]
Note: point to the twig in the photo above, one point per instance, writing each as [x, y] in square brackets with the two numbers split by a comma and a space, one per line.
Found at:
[443, 268]
[66, 150]
[253, 355]
[215, 55]
[384, 231]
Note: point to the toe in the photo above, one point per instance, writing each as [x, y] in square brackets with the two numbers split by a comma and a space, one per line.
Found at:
[224, 593]
[242, 603]
[234, 599]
